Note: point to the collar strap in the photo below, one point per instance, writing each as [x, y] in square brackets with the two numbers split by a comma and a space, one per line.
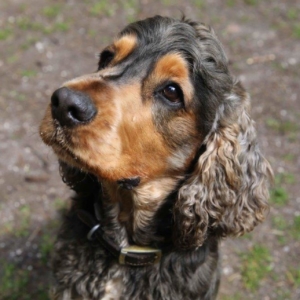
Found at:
[133, 255]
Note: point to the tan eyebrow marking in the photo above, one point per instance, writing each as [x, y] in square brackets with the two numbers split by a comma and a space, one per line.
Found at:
[174, 67]
[124, 46]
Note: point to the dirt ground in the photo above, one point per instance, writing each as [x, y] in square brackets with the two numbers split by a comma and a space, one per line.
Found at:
[43, 43]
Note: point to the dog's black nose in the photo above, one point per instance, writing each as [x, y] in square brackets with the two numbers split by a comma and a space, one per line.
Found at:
[71, 108]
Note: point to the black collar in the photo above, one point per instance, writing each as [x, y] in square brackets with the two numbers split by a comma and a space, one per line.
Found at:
[133, 255]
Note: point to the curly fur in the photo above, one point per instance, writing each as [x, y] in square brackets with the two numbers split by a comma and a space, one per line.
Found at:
[217, 186]
[228, 190]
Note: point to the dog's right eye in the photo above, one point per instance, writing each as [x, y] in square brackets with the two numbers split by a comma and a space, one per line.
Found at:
[173, 94]
[105, 58]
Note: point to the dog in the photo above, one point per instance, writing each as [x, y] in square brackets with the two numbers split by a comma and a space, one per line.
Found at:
[162, 154]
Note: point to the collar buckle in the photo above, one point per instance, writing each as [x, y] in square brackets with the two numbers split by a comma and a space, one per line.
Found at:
[140, 251]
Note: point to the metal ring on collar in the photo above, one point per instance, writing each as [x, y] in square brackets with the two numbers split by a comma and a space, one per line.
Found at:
[92, 231]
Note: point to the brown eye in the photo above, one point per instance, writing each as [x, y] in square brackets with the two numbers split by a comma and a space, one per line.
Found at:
[173, 93]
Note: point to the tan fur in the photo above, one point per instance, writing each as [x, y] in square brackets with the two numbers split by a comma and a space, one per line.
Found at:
[173, 67]
[139, 205]
[145, 205]
[109, 146]
[123, 47]
[120, 154]
[113, 289]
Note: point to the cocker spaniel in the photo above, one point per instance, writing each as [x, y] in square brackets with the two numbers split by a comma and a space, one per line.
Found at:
[161, 151]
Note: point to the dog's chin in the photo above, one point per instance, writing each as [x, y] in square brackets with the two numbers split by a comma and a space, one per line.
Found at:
[67, 156]
[56, 137]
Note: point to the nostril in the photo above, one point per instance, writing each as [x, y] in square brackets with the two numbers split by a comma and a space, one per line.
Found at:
[74, 113]
[71, 107]
[57, 97]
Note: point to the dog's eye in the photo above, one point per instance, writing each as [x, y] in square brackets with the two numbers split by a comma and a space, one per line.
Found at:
[172, 93]
[105, 58]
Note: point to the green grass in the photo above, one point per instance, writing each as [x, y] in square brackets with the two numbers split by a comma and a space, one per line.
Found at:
[15, 284]
[131, 7]
[12, 59]
[28, 73]
[102, 8]
[29, 42]
[256, 264]
[295, 228]
[52, 11]
[293, 13]
[5, 34]
[282, 294]
[273, 123]
[230, 3]
[26, 24]
[46, 246]
[22, 229]
[247, 236]
[283, 127]
[279, 196]
[293, 276]
[199, 3]
[92, 33]
[284, 178]
[251, 2]
[279, 223]
[296, 30]
[167, 2]
[6, 228]
[289, 157]
[287, 230]
[60, 203]
[17, 281]
[61, 26]
[14, 281]
[233, 297]
[18, 96]
[56, 27]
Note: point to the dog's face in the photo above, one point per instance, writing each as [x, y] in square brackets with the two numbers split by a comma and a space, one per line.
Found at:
[161, 107]
[139, 115]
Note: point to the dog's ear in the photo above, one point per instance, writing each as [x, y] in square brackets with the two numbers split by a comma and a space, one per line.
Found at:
[228, 191]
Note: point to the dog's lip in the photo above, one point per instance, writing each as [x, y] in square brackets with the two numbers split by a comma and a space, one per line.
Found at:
[59, 139]
[67, 155]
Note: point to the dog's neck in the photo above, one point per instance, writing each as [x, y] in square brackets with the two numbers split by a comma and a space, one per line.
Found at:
[142, 215]
[137, 208]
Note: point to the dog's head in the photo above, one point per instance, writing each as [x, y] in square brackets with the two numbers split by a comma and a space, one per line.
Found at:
[163, 104]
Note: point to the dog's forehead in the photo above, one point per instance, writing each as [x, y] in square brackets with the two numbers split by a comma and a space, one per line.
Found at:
[141, 45]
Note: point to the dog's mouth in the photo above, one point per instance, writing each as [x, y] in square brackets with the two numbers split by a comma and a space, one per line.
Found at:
[59, 139]
[77, 146]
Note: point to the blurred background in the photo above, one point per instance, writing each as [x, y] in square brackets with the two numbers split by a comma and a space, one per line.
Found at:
[44, 43]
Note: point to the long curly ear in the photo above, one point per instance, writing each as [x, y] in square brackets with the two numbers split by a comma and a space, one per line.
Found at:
[228, 191]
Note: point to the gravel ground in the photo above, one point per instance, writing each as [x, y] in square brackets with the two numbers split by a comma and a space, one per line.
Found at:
[43, 43]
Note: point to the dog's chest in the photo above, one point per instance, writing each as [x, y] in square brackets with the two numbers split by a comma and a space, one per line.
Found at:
[113, 289]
